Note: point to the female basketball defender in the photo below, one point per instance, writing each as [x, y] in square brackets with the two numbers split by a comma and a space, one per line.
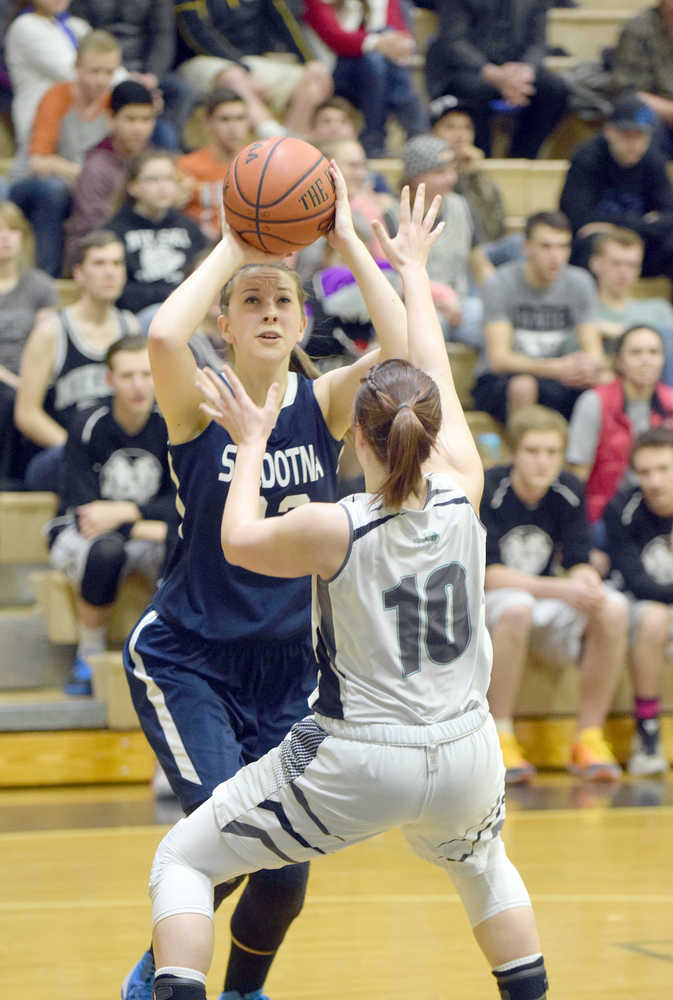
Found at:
[400, 733]
[221, 665]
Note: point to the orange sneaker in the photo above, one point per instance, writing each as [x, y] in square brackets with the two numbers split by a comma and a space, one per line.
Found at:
[591, 757]
[517, 769]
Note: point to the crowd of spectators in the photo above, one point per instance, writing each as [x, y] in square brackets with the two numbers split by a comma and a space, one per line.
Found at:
[107, 187]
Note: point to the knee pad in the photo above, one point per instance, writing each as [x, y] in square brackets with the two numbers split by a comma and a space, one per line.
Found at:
[497, 887]
[176, 886]
[103, 569]
[268, 905]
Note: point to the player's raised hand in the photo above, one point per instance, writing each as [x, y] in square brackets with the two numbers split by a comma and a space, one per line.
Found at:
[343, 230]
[228, 404]
[416, 234]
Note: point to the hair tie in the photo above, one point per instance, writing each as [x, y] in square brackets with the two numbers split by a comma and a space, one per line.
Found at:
[403, 406]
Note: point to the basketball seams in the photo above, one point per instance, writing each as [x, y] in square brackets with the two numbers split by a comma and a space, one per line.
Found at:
[272, 234]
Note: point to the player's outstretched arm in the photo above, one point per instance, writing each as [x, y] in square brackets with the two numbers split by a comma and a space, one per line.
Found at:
[408, 253]
[313, 538]
[335, 391]
[173, 365]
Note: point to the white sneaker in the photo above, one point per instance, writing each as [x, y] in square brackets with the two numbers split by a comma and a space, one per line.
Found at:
[642, 764]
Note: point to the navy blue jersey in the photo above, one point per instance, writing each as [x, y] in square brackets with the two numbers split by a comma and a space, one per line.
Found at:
[201, 591]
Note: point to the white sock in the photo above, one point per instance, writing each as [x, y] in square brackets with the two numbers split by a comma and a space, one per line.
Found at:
[524, 960]
[180, 973]
[91, 640]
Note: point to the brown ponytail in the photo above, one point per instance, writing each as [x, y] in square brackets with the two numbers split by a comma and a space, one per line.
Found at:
[398, 409]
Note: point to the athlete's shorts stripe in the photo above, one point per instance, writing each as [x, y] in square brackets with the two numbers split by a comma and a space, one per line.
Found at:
[156, 698]
[303, 802]
[281, 816]
[238, 829]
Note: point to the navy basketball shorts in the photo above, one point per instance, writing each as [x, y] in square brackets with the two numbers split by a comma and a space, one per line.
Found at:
[208, 708]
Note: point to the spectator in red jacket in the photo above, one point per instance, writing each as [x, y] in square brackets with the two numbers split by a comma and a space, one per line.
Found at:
[372, 45]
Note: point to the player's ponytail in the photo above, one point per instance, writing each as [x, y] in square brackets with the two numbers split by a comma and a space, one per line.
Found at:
[399, 412]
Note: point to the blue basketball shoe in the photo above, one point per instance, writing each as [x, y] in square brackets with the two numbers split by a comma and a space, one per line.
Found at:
[79, 679]
[140, 980]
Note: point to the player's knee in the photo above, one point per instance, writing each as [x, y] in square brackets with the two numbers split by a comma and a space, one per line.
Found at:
[497, 886]
[176, 885]
[103, 569]
[269, 904]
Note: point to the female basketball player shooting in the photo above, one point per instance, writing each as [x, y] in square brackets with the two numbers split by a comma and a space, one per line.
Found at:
[401, 734]
[221, 664]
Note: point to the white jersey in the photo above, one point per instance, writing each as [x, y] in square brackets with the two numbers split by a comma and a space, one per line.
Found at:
[399, 631]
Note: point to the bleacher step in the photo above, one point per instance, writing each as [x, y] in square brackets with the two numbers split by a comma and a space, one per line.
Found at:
[49, 710]
[15, 584]
[28, 659]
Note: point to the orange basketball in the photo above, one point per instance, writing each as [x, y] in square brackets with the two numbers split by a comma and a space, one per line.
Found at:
[278, 195]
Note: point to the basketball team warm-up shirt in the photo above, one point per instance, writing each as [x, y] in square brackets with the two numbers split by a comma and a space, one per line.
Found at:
[201, 591]
[399, 631]
[639, 546]
[103, 462]
[534, 539]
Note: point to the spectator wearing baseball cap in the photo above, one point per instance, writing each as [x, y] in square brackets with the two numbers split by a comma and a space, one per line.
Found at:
[643, 64]
[456, 262]
[451, 120]
[620, 178]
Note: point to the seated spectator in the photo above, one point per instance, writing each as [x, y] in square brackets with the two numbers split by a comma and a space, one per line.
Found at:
[334, 118]
[491, 53]
[616, 263]
[542, 340]
[101, 183]
[63, 362]
[116, 499]
[639, 524]
[456, 262]
[606, 419]
[643, 63]
[203, 171]
[535, 525]
[24, 291]
[146, 32]
[260, 50]
[71, 117]
[40, 49]
[160, 243]
[451, 121]
[368, 49]
[619, 178]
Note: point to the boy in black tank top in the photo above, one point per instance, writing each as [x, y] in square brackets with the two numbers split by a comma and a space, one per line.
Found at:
[63, 362]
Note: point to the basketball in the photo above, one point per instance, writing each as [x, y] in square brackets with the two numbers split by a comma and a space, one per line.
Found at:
[278, 195]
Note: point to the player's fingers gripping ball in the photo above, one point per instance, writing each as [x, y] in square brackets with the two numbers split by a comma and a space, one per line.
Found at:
[278, 195]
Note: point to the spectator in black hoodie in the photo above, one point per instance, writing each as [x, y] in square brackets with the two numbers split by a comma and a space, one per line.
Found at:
[619, 178]
[160, 242]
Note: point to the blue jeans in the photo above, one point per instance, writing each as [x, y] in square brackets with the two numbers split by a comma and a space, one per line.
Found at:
[44, 470]
[179, 102]
[45, 201]
[377, 86]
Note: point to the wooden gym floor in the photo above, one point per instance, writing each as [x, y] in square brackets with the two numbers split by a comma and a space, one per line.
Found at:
[379, 924]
